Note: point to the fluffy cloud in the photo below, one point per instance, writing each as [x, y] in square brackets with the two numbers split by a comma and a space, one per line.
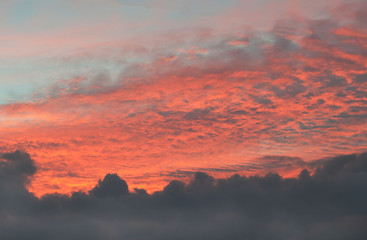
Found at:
[330, 204]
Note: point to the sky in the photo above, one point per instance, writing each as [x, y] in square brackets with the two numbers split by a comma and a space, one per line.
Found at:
[183, 119]
[157, 90]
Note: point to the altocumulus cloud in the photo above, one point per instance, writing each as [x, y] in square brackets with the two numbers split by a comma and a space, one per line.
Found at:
[329, 204]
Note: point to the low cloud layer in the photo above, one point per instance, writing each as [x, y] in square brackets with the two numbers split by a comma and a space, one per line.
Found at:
[329, 204]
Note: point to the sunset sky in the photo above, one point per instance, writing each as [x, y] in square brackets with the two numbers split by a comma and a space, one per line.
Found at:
[183, 119]
[158, 90]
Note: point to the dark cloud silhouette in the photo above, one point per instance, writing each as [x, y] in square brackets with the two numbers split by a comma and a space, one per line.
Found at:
[17, 164]
[111, 186]
[15, 170]
[329, 204]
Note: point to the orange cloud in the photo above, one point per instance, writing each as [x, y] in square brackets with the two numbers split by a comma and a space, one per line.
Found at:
[221, 111]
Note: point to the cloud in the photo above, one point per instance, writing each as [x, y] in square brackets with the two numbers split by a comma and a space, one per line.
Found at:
[330, 204]
[111, 186]
[17, 164]
[195, 97]
[16, 168]
[362, 78]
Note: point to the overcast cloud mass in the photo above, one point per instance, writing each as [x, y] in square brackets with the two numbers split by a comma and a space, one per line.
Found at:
[329, 204]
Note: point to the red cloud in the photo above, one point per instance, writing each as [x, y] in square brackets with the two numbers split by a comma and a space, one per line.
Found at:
[215, 107]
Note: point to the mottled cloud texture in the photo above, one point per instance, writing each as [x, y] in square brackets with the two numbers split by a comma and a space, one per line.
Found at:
[328, 205]
[178, 101]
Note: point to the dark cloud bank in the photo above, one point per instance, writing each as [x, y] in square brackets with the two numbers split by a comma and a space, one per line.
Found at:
[330, 204]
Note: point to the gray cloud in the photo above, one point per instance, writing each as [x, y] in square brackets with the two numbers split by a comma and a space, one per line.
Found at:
[361, 78]
[330, 204]
[112, 185]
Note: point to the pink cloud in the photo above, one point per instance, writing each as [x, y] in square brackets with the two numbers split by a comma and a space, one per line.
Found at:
[212, 106]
